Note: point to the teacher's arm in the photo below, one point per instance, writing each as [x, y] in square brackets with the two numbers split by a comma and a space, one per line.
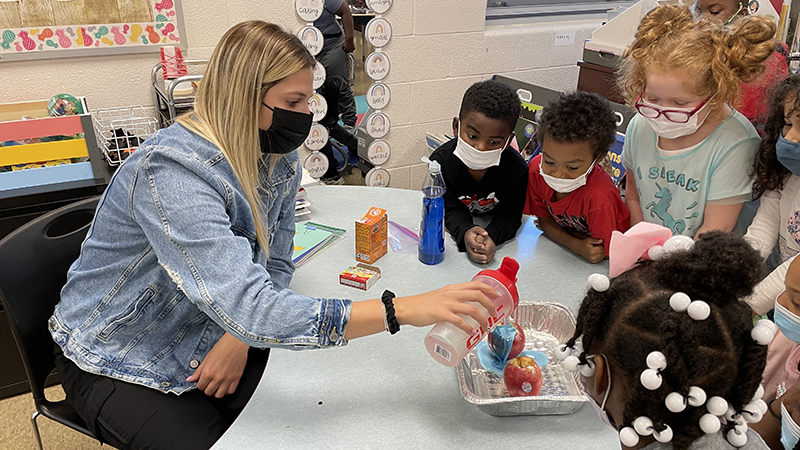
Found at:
[347, 23]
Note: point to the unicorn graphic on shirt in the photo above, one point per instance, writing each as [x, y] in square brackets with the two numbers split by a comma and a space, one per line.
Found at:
[661, 208]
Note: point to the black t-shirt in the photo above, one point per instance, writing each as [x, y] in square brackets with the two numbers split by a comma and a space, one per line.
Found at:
[501, 192]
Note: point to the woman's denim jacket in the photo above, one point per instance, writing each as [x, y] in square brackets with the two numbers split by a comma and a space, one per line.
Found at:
[171, 262]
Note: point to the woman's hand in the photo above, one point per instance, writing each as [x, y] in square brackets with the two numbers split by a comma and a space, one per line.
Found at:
[444, 305]
[219, 373]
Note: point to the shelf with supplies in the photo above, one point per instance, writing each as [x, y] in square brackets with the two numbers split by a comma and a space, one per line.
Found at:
[175, 96]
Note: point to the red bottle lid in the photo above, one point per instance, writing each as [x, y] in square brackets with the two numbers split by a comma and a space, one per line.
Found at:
[507, 276]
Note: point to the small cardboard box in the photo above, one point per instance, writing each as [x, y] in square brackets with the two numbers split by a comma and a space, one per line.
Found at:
[371, 235]
[360, 276]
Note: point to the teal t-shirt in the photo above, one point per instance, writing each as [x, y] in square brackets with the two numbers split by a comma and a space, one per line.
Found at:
[674, 189]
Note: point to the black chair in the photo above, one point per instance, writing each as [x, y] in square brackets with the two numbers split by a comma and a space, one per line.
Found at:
[34, 260]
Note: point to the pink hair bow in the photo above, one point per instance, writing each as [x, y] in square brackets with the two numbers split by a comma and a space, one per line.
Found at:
[644, 240]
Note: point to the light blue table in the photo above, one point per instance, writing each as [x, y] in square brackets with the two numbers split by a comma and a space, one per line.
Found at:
[386, 391]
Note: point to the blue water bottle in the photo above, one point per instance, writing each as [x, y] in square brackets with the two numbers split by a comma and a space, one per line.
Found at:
[431, 233]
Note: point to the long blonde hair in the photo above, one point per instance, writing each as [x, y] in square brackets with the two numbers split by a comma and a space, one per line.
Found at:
[715, 58]
[250, 58]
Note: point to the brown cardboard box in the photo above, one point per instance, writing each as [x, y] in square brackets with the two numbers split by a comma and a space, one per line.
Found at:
[371, 235]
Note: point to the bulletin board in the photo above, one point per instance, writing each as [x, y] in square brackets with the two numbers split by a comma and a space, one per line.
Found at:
[35, 29]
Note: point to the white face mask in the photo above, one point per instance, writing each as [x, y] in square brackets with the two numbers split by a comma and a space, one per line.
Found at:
[565, 185]
[672, 130]
[476, 159]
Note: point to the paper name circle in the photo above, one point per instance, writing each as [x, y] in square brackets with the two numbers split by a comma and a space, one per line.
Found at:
[378, 125]
[379, 32]
[379, 6]
[377, 177]
[316, 164]
[378, 152]
[309, 10]
[377, 65]
[312, 39]
[378, 96]
[318, 107]
[317, 137]
[319, 76]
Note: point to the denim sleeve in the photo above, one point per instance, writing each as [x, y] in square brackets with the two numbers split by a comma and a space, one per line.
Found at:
[214, 267]
[279, 264]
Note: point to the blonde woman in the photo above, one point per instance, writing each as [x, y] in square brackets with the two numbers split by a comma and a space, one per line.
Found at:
[184, 275]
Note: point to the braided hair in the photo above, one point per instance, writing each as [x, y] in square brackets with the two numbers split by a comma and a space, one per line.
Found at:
[633, 318]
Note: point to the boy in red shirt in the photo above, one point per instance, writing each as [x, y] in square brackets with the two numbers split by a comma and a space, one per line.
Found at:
[575, 200]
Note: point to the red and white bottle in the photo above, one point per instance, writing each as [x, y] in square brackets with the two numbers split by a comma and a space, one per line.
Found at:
[449, 344]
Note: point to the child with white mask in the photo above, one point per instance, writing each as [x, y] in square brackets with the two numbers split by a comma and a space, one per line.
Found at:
[482, 173]
[574, 199]
[687, 152]
[667, 351]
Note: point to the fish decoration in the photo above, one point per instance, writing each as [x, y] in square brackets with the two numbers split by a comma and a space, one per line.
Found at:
[107, 41]
[173, 38]
[50, 43]
[102, 31]
[152, 34]
[8, 38]
[170, 13]
[45, 34]
[34, 31]
[63, 40]
[27, 42]
[136, 31]
[144, 40]
[70, 32]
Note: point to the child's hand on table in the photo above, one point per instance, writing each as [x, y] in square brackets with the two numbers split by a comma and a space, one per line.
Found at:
[480, 247]
[219, 373]
[591, 249]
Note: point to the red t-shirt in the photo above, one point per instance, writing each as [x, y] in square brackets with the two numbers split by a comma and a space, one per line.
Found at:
[595, 209]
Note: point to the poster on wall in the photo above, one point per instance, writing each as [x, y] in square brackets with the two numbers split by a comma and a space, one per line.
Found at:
[33, 29]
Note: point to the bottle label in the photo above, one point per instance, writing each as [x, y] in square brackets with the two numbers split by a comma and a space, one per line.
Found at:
[442, 352]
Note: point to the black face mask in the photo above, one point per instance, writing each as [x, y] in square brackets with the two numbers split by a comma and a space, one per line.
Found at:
[288, 131]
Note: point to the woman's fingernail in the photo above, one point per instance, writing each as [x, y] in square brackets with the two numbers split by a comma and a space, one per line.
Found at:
[189, 378]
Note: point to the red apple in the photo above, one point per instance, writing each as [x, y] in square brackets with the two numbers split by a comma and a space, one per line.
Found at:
[523, 377]
[497, 345]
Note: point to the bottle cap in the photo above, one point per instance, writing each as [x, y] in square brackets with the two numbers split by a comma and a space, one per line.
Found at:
[434, 167]
[507, 276]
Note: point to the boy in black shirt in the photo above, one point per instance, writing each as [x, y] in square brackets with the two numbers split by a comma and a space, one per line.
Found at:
[482, 173]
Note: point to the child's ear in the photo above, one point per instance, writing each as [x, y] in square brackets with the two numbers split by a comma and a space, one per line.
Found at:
[455, 126]
[600, 374]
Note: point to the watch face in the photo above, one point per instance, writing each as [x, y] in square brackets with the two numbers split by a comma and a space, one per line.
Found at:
[379, 6]
[379, 32]
[377, 66]
[378, 125]
[378, 95]
[312, 39]
[309, 10]
[316, 164]
[318, 107]
[378, 152]
[319, 75]
[377, 177]
[317, 137]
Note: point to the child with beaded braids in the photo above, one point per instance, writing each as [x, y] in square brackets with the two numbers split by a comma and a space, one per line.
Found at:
[668, 369]
[688, 152]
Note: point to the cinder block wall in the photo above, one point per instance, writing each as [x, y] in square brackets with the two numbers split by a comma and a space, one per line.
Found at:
[437, 50]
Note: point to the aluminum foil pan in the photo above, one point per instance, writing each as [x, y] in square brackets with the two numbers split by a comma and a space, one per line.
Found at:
[546, 325]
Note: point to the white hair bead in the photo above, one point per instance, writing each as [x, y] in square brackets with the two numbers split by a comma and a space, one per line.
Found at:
[663, 436]
[736, 438]
[699, 310]
[759, 392]
[762, 334]
[697, 396]
[741, 426]
[643, 425]
[767, 323]
[656, 361]
[675, 402]
[752, 413]
[679, 302]
[579, 345]
[599, 282]
[655, 252]
[588, 369]
[731, 415]
[628, 437]
[572, 363]
[562, 352]
[710, 423]
[650, 379]
[678, 243]
[717, 406]
[761, 405]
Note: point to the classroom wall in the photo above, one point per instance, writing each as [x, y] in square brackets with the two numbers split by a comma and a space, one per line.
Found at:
[437, 50]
